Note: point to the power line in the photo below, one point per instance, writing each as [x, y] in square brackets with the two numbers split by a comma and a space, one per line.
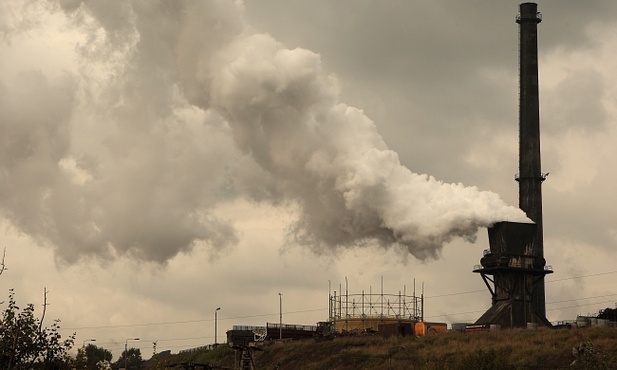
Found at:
[583, 276]
[456, 313]
[325, 309]
[457, 293]
[548, 281]
[136, 325]
[580, 299]
[548, 309]
[580, 305]
[548, 303]
[190, 321]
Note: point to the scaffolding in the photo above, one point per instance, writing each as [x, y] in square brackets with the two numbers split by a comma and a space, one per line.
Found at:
[363, 311]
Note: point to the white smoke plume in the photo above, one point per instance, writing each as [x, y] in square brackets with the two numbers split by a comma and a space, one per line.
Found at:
[174, 108]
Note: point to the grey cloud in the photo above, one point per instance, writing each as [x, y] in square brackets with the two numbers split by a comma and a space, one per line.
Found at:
[175, 111]
[576, 103]
[34, 125]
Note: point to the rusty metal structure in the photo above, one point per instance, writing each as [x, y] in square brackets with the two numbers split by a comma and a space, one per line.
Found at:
[366, 311]
[514, 267]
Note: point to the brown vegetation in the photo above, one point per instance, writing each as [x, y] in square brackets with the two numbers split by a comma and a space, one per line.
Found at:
[588, 348]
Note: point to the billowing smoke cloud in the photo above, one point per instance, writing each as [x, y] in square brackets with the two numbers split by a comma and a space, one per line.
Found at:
[176, 108]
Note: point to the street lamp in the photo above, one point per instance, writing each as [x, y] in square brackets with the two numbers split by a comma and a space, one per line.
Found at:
[280, 315]
[126, 350]
[87, 340]
[216, 325]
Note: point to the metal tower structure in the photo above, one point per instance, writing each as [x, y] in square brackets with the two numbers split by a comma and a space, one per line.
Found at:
[515, 263]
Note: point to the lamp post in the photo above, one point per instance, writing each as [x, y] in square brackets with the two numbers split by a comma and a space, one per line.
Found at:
[280, 315]
[216, 318]
[83, 344]
[126, 352]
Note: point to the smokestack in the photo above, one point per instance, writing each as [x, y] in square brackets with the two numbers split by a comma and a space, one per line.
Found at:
[514, 267]
[530, 176]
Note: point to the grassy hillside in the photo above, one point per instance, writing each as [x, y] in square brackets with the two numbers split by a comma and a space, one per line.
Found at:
[589, 348]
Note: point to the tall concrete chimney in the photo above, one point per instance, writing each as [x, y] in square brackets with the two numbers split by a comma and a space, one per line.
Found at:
[530, 176]
[514, 267]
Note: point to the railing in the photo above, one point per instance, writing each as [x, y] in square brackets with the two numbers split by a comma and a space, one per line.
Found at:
[248, 327]
[291, 326]
[542, 176]
[538, 17]
[209, 347]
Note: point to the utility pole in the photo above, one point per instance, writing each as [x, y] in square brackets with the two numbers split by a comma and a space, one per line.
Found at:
[280, 316]
[45, 304]
[216, 318]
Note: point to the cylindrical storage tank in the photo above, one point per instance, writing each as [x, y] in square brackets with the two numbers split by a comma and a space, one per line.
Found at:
[593, 321]
[532, 325]
[419, 328]
[602, 323]
[495, 327]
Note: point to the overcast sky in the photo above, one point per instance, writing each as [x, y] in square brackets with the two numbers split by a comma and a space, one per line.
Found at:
[160, 160]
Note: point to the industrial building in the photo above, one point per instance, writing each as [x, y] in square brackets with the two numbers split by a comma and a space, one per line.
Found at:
[513, 268]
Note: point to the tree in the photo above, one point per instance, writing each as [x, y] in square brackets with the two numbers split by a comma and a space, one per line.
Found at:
[26, 344]
[89, 356]
[133, 359]
[608, 314]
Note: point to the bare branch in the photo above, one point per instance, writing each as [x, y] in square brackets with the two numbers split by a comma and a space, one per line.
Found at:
[44, 308]
[2, 264]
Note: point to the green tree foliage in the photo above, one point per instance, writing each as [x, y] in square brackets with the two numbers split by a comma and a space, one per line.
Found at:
[26, 344]
[133, 359]
[90, 356]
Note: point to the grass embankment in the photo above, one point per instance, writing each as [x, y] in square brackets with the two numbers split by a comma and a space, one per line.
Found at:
[595, 348]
